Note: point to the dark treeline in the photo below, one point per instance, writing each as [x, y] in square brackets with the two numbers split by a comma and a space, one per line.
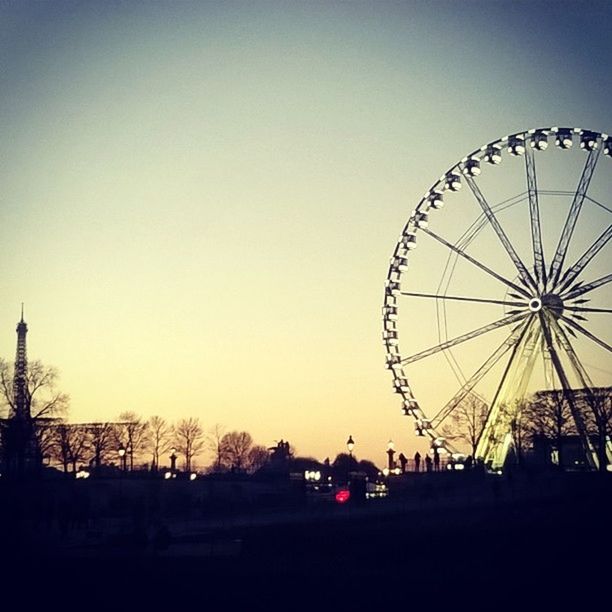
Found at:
[132, 443]
[543, 423]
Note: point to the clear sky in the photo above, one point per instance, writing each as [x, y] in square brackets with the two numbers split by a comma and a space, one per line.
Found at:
[198, 200]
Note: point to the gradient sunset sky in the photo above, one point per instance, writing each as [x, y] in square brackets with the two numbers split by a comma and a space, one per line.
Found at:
[198, 200]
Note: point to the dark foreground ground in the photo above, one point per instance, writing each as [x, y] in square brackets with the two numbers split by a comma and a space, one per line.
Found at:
[530, 546]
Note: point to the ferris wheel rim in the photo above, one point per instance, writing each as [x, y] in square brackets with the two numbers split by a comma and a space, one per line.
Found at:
[529, 280]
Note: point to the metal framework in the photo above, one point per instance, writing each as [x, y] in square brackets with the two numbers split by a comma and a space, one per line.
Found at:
[21, 405]
[542, 305]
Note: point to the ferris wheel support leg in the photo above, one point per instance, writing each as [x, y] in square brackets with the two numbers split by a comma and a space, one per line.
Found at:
[589, 391]
[496, 436]
[589, 451]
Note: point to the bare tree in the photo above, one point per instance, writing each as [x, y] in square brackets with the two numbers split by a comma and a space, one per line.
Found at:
[159, 439]
[214, 438]
[548, 415]
[43, 402]
[131, 433]
[189, 439]
[598, 416]
[235, 449]
[520, 428]
[42, 397]
[467, 421]
[101, 438]
[45, 438]
[257, 457]
[71, 445]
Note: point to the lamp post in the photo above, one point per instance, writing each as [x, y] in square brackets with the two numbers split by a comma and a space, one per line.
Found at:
[350, 445]
[390, 455]
[121, 452]
[173, 460]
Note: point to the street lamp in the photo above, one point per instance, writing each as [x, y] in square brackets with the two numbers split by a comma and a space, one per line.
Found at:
[121, 452]
[390, 454]
[173, 460]
[350, 444]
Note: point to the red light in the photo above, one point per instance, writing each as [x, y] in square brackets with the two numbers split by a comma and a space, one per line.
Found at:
[343, 496]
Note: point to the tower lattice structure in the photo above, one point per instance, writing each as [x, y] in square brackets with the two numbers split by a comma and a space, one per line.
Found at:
[21, 404]
[20, 451]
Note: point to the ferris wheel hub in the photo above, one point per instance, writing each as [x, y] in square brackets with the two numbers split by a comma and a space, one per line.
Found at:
[553, 303]
[535, 304]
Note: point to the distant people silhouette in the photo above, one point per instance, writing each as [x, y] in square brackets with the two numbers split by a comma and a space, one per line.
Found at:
[403, 461]
[417, 461]
[427, 463]
[436, 460]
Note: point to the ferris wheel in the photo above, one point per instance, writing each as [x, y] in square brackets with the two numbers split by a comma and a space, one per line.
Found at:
[508, 291]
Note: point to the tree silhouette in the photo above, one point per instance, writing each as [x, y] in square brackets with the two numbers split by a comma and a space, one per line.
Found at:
[258, 457]
[188, 437]
[22, 434]
[131, 433]
[71, 445]
[599, 420]
[467, 421]
[43, 400]
[235, 448]
[158, 439]
[547, 414]
[213, 443]
[101, 436]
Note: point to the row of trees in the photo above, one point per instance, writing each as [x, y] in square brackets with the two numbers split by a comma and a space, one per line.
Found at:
[543, 415]
[131, 441]
[134, 442]
[42, 434]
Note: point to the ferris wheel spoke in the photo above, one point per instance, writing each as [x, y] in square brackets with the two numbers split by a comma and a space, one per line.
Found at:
[469, 384]
[463, 338]
[571, 273]
[564, 341]
[572, 216]
[475, 262]
[580, 289]
[586, 332]
[603, 206]
[583, 309]
[524, 274]
[568, 392]
[460, 298]
[534, 212]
